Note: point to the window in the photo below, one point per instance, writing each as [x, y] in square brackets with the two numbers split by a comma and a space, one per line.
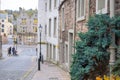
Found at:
[80, 9]
[2, 20]
[35, 29]
[101, 6]
[66, 53]
[35, 21]
[24, 21]
[63, 20]
[54, 53]
[55, 3]
[55, 25]
[50, 51]
[45, 7]
[2, 25]
[49, 27]
[2, 30]
[50, 5]
[23, 29]
[45, 29]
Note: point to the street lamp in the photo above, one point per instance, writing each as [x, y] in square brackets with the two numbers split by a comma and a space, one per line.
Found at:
[15, 42]
[40, 29]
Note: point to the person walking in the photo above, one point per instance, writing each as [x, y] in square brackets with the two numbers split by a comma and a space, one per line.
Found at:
[9, 51]
[13, 50]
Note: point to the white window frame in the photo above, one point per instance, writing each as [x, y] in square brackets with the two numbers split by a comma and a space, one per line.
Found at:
[50, 25]
[45, 7]
[54, 52]
[79, 9]
[104, 10]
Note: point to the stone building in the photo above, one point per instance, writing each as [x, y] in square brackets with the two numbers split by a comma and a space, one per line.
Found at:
[27, 27]
[48, 19]
[52, 30]
[42, 20]
[66, 32]
[73, 16]
[6, 27]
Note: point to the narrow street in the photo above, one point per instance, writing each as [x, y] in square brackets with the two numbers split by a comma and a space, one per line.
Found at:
[18, 67]
[24, 66]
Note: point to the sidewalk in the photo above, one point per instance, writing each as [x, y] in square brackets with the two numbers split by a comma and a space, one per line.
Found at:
[50, 72]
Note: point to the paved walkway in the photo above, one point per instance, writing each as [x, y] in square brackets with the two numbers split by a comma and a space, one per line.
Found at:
[50, 72]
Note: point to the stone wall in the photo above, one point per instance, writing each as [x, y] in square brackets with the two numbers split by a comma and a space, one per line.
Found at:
[92, 7]
[77, 26]
[69, 16]
[81, 24]
[69, 19]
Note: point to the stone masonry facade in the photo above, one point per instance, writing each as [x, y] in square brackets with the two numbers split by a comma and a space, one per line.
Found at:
[69, 22]
[72, 23]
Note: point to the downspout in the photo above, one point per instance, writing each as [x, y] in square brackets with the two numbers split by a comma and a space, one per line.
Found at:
[112, 8]
[75, 24]
[112, 46]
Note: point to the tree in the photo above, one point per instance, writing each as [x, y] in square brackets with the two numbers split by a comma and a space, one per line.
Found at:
[116, 67]
[92, 56]
[30, 12]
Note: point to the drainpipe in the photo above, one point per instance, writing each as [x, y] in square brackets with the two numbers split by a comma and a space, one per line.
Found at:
[112, 8]
[75, 24]
[112, 46]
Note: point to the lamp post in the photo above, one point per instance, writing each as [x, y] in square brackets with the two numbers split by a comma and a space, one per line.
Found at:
[15, 42]
[40, 29]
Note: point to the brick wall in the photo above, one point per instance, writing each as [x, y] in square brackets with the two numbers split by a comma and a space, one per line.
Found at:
[69, 16]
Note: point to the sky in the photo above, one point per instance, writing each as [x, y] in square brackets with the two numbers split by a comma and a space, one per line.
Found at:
[15, 4]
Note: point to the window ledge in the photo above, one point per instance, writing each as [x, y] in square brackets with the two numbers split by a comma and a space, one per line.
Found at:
[81, 18]
[102, 11]
[63, 30]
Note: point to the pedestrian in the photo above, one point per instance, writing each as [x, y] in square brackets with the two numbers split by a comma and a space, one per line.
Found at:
[13, 50]
[9, 51]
